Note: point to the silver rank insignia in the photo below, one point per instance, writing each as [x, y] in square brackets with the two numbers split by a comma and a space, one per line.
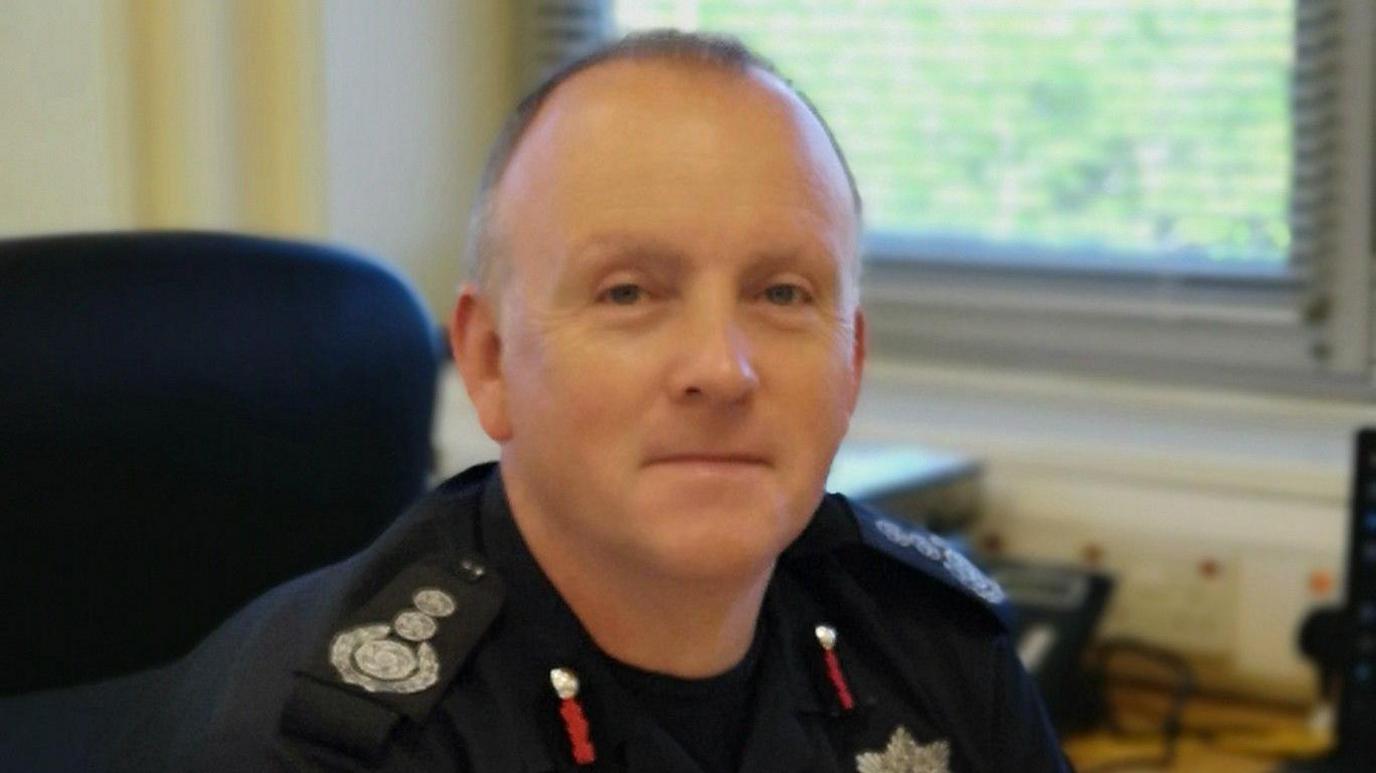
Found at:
[905, 755]
[935, 549]
[396, 658]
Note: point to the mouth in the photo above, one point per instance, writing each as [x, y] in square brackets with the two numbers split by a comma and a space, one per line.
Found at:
[709, 459]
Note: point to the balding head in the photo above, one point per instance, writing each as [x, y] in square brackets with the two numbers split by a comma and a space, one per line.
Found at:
[702, 54]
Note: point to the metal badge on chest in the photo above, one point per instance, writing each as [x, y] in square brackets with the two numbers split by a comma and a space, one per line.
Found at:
[905, 755]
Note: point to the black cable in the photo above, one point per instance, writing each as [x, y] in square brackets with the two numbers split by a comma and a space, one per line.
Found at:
[1182, 688]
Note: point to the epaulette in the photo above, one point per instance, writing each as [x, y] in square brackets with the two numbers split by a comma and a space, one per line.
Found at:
[393, 657]
[927, 553]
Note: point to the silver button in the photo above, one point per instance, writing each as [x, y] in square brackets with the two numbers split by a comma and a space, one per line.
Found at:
[434, 602]
[826, 636]
[414, 626]
[565, 682]
[472, 570]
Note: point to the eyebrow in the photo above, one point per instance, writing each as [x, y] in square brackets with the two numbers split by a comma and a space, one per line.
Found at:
[602, 251]
[622, 242]
[815, 258]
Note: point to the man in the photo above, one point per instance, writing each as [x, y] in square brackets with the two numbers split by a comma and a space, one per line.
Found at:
[664, 336]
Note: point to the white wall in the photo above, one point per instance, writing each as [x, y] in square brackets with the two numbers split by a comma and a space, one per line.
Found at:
[412, 101]
[62, 140]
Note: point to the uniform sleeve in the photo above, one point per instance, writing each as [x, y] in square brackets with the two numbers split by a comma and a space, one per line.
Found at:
[1021, 725]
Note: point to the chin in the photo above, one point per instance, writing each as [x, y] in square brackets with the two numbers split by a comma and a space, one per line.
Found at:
[714, 565]
[715, 543]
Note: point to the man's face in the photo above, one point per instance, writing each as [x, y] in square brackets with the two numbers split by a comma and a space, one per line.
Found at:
[680, 351]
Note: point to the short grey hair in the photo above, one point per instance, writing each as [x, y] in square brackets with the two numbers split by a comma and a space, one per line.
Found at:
[722, 52]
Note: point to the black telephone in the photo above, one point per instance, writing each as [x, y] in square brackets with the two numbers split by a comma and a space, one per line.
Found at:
[1058, 611]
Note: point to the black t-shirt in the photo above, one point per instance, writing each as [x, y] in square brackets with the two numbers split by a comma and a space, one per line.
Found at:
[708, 717]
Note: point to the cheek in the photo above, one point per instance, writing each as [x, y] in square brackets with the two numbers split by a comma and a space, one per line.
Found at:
[817, 398]
[575, 382]
[818, 371]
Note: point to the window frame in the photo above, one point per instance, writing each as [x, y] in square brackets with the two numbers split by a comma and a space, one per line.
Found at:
[1290, 331]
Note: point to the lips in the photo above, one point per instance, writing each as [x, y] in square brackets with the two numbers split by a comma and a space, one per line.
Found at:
[709, 458]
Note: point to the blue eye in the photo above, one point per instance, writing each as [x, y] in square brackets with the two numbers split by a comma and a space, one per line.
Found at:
[623, 294]
[785, 295]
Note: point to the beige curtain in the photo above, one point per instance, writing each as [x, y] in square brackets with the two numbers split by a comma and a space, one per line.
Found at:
[161, 114]
[225, 113]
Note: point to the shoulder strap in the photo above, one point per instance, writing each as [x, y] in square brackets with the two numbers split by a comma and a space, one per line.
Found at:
[394, 655]
[924, 552]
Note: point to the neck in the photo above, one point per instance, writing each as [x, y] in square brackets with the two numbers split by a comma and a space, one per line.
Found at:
[684, 627]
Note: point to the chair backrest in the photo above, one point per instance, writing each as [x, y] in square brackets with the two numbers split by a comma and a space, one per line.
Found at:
[187, 419]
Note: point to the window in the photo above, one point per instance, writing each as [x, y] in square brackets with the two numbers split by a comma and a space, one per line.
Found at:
[1175, 188]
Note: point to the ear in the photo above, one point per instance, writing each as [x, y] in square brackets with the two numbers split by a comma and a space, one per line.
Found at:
[858, 351]
[475, 339]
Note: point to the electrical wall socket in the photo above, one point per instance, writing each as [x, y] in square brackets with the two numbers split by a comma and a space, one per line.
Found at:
[1185, 599]
[1232, 610]
[1221, 574]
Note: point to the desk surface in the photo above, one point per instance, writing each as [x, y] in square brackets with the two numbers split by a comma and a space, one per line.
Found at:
[1221, 736]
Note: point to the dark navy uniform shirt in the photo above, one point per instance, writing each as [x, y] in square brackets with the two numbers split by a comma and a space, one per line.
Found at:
[930, 680]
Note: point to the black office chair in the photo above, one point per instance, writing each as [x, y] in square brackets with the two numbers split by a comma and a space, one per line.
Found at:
[187, 419]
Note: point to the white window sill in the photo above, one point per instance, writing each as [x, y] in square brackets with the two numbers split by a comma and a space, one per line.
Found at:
[1282, 446]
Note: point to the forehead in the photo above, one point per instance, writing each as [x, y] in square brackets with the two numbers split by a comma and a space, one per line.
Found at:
[658, 136]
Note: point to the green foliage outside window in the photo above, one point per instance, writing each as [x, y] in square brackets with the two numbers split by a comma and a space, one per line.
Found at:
[1144, 127]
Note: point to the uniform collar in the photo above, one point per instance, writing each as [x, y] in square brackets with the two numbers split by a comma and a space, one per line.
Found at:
[540, 632]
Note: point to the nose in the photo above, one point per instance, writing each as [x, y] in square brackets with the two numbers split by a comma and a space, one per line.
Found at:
[717, 362]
